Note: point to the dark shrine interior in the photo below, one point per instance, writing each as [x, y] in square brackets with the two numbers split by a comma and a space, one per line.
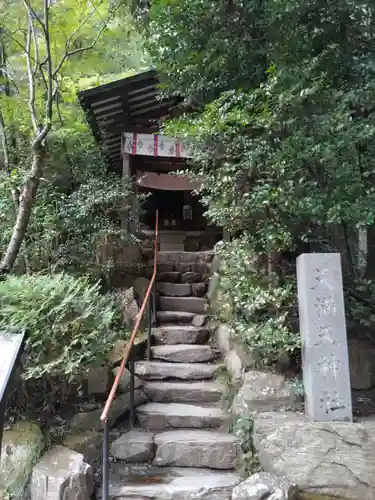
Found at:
[174, 213]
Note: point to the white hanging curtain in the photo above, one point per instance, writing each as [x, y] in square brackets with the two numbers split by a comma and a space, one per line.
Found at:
[154, 145]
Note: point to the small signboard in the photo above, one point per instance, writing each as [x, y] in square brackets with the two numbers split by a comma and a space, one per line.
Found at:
[11, 348]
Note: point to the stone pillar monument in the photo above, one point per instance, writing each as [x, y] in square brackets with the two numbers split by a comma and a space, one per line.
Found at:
[323, 330]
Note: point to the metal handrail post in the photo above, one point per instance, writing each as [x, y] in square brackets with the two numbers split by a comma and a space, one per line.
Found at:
[105, 479]
[149, 328]
[131, 390]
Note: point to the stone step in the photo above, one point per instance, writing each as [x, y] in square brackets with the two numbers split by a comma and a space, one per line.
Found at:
[171, 335]
[199, 267]
[157, 370]
[174, 289]
[196, 448]
[184, 353]
[147, 482]
[177, 277]
[134, 447]
[167, 289]
[177, 317]
[190, 257]
[186, 304]
[157, 416]
[183, 392]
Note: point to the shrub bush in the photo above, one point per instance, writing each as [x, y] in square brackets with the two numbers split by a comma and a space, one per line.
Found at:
[69, 323]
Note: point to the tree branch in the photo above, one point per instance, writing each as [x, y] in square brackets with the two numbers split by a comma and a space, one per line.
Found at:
[4, 142]
[70, 53]
[50, 91]
[34, 15]
[30, 75]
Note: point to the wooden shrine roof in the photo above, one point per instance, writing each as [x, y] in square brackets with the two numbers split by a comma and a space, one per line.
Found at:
[131, 104]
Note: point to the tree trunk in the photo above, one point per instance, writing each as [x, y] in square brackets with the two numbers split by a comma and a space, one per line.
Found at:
[26, 202]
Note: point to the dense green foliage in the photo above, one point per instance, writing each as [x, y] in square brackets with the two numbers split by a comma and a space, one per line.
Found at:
[283, 145]
[54, 180]
[67, 319]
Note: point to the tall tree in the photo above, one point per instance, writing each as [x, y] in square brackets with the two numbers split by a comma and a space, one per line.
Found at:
[42, 39]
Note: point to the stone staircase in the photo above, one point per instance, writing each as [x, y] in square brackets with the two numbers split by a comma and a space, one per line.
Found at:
[181, 431]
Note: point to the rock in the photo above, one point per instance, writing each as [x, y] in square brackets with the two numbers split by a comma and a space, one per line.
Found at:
[134, 446]
[361, 363]
[158, 370]
[334, 459]
[199, 320]
[184, 392]
[234, 365]
[98, 380]
[198, 289]
[121, 405]
[158, 416]
[181, 353]
[196, 448]
[125, 380]
[180, 335]
[190, 277]
[88, 443]
[61, 474]
[174, 289]
[138, 483]
[178, 317]
[115, 356]
[262, 391]
[129, 314]
[21, 447]
[214, 281]
[186, 304]
[223, 337]
[140, 288]
[265, 485]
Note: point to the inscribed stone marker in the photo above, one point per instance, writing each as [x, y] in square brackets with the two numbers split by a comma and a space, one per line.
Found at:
[325, 362]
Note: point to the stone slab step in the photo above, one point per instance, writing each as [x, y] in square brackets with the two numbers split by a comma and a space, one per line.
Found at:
[197, 448]
[198, 267]
[147, 482]
[183, 392]
[195, 305]
[191, 277]
[134, 446]
[178, 317]
[190, 257]
[174, 289]
[166, 289]
[158, 370]
[177, 277]
[158, 416]
[185, 353]
[171, 335]
[170, 277]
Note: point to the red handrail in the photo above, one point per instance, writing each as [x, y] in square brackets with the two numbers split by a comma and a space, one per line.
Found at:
[129, 345]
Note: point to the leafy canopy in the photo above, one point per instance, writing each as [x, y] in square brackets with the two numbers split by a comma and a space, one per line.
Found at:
[283, 137]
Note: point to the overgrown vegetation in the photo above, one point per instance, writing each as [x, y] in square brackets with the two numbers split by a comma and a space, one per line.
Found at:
[69, 323]
[281, 120]
[59, 206]
[243, 428]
